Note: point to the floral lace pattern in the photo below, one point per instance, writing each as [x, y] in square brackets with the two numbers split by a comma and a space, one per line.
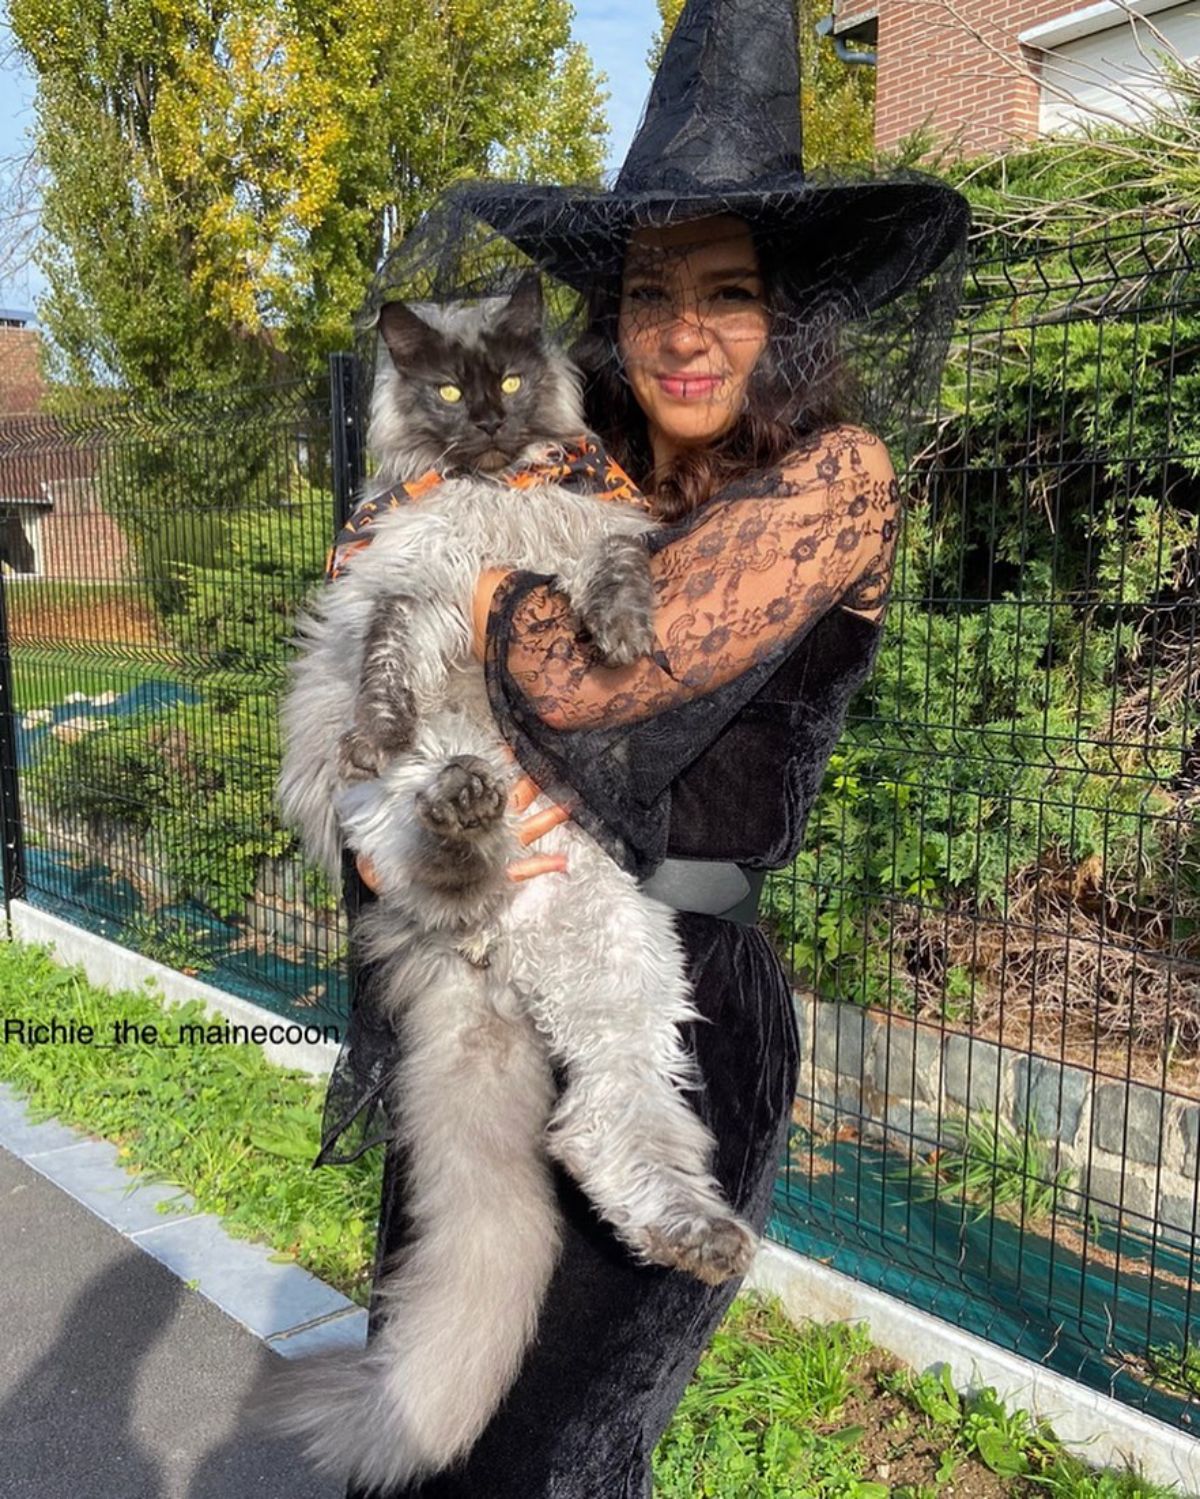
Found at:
[739, 583]
[750, 571]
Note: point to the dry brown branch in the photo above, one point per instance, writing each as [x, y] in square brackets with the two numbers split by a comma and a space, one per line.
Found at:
[20, 212]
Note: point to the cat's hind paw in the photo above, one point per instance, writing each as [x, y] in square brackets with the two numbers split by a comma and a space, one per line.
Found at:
[713, 1249]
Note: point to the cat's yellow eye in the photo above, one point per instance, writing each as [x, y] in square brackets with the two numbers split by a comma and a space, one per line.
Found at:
[510, 384]
[450, 393]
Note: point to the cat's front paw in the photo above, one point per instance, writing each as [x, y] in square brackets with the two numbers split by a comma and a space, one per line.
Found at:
[464, 800]
[364, 753]
[617, 603]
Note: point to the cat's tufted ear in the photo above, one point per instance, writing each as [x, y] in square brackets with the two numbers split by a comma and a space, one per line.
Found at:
[404, 333]
[523, 315]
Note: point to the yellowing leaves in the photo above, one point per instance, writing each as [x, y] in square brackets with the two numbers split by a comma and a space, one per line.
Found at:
[221, 179]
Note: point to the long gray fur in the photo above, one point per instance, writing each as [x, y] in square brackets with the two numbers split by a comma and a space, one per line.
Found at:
[488, 981]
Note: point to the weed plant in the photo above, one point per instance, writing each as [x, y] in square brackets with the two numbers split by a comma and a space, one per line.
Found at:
[994, 1168]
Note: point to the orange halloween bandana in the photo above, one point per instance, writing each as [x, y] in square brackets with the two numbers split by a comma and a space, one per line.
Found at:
[582, 465]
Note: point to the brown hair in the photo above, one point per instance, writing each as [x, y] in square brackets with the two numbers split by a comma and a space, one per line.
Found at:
[786, 401]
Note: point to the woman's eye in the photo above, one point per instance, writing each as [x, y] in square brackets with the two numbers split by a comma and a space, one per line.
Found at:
[645, 293]
[510, 384]
[738, 293]
[450, 393]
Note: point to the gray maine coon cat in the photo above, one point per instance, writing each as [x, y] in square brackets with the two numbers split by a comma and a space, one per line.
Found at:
[390, 747]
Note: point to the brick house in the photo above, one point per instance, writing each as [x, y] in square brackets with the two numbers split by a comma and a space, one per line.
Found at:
[51, 525]
[987, 74]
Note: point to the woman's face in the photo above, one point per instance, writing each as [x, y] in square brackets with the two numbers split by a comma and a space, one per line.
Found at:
[691, 326]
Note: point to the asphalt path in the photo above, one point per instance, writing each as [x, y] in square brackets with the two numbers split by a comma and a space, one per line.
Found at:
[116, 1380]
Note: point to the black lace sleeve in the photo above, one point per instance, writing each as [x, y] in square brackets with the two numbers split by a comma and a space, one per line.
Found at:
[354, 1116]
[738, 586]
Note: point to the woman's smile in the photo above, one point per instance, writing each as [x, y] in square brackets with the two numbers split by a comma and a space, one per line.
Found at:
[690, 387]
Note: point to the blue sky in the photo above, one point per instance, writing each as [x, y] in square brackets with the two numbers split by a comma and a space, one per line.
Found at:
[616, 32]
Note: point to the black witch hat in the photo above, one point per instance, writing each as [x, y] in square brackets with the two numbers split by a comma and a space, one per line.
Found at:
[721, 133]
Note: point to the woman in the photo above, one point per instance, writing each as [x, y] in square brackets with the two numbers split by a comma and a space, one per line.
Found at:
[715, 279]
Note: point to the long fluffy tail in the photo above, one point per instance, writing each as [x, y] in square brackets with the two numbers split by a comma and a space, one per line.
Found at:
[461, 1306]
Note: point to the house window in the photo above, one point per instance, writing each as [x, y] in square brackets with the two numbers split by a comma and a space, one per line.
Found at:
[21, 540]
[1098, 63]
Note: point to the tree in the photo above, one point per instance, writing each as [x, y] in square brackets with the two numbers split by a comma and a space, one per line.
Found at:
[222, 176]
[837, 99]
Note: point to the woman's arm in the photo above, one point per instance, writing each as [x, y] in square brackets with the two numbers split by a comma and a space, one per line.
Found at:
[750, 574]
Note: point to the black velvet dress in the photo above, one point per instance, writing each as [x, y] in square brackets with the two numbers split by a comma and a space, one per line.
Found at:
[716, 770]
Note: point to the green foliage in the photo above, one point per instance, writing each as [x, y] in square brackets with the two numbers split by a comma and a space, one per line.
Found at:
[176, 943]
[220, 183]
[763, 1414]
[994, 1167]
[1177, 1368]
[933, 1394]
[237, 609]
[1023, 707]
[196, 781]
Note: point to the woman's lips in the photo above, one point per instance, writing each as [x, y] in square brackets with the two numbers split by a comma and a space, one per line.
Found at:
[688, 387]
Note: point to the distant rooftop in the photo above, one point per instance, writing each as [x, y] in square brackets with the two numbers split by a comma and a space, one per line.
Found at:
[13, 317]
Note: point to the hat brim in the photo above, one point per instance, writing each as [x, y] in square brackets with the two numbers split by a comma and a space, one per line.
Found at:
[867, 242]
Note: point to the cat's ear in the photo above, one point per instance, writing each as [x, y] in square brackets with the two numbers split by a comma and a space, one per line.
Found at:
[523, 315]
[404, 333]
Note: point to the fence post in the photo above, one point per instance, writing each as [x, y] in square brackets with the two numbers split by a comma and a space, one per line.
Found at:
[349, 469]
[347, 435]
[10, 791]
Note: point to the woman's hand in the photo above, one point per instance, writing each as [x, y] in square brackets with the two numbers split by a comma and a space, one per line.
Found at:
[529, 830]
[485, 587]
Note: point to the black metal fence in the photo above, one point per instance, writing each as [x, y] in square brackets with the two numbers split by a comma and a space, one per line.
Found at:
[155, 556]
[994, 926]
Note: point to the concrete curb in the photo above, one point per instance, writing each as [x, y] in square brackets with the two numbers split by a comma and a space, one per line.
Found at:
[282, 1304]
[1102, 1431]
[110, 966]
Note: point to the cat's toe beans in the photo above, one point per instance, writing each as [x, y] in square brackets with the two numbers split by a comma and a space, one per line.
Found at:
[464, 798]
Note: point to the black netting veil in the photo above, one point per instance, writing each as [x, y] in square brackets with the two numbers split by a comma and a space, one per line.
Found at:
[846, 338]
[752, 343]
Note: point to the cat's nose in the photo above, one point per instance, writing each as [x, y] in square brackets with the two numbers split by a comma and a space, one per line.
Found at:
[490, 424]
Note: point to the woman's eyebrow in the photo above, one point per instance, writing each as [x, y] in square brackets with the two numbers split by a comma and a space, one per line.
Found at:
[725, 273]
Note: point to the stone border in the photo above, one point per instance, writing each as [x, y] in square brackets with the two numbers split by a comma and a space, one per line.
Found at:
[108, 965]
[1102, 1431]
[1133, 1149]
[284, 1305]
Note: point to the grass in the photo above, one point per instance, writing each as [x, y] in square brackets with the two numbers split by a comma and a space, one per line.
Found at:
[48, 678]
[218, 1121]
[772, 1412]
[780, 1412]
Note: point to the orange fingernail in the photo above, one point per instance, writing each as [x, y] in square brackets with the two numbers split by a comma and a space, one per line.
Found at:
[526, 869]
[540, 823]
[522, 794]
